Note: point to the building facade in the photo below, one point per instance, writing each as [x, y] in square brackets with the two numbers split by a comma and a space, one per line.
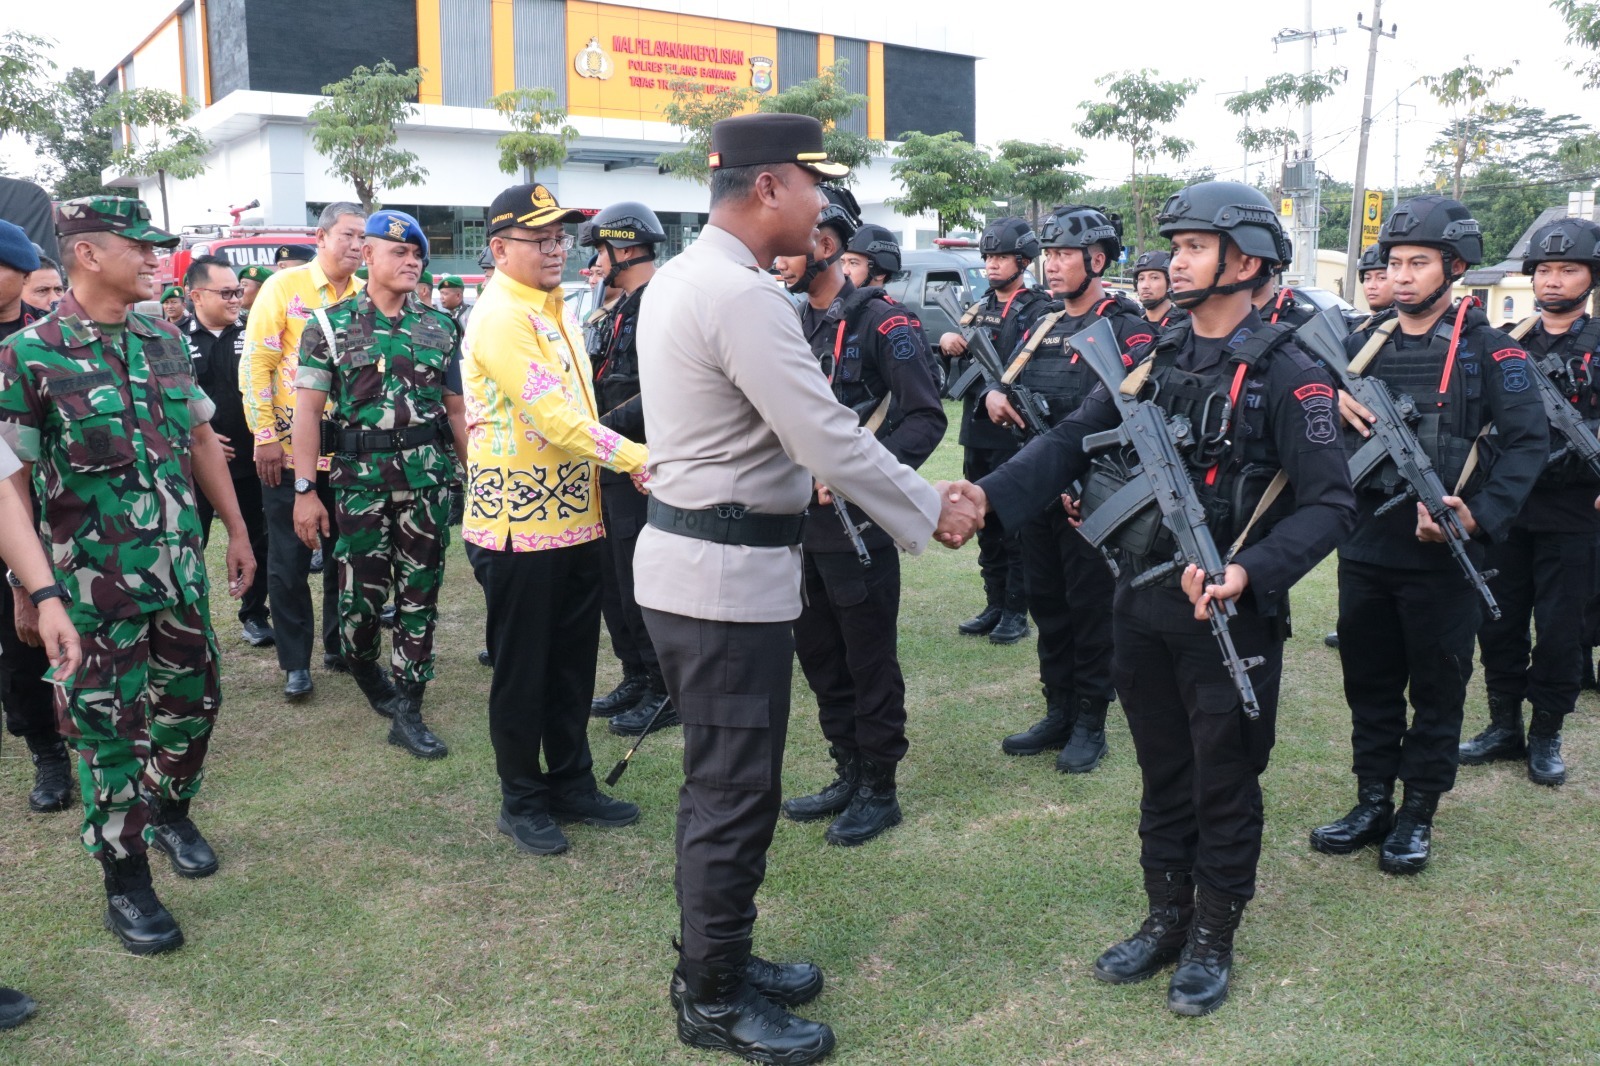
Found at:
[256, 68]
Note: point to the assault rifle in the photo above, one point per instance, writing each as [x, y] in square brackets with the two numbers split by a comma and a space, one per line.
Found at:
[1029, 404]
[1159, 442]
[1392, 438]
[852, 530]
[1577, 438]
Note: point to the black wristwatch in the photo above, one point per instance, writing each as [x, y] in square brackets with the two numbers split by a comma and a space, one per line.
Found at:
[53, 591]
[303, 486]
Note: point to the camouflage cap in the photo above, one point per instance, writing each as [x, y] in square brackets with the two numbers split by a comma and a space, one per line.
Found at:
[450, 281]
[171, 292]
[110, 214]
[256, 273]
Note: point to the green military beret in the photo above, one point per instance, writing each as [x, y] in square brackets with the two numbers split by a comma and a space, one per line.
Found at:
[170, 291]
[479, 287]
[425, 279]
[361, 272]
[256, 273]
[450, 281]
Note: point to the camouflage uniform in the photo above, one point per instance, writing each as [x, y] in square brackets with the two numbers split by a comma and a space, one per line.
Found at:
[392, 506]
[108, 421]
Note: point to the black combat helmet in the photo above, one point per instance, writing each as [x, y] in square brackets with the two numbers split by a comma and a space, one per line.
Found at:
[628, 224]
[1009, 236]
[1372, 258]
[841, 211]
[1433, 221]
[1084, 228]
[1235, 212]
[1152, 261]
[878, 244]
[1566, 240]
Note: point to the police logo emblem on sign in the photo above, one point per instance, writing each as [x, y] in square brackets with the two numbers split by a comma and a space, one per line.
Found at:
[1514, 366]
[591, 62]
[761, 74]
[1316, 400]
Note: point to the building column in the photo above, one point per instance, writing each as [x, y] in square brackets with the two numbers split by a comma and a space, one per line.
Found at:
[283, 202]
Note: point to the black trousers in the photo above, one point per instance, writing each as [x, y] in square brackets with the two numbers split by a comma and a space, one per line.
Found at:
[253, 604]
[1200, 757]
[730, 682]
[999, 549]
[28, 700]
[1545, 582]
[846, 639]
[288, 573]
[1070, 588]
[623, 510]
[1400, 628]
[544, 635]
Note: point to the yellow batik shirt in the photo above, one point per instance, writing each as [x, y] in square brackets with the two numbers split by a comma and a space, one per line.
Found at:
[533, 435]
[272, 348]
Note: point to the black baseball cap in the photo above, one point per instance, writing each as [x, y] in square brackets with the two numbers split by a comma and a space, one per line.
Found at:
[751, 140]
[528, 207]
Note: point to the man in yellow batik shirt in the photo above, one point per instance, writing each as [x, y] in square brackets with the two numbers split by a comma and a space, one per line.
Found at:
[532, 523]
[284, 305]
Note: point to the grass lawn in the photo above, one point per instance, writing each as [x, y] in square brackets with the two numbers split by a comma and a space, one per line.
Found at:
[367, 911]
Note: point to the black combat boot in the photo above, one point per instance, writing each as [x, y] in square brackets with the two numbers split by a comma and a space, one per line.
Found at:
[1087, 745]
[1368, 822]
[633, 687]
[52, 775]
[833, 797]
[133, 912]
[1200, 983]
[407, 731]
[653, 713]
[1503, 738]
[788, 984]
[177, 837]
[1012, 627]
[1050, 732]
[872, 809]
[1160, 938]
[717, 1008]
[374, 683]
[1545, 765]
[982, 623]
[1405, 849]
[15, 1008]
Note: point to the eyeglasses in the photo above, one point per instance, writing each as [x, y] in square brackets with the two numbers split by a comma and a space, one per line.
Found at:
[547, 245]
[226, 294]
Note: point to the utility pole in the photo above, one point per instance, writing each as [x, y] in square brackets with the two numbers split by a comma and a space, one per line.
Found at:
[1397, 106]
[1358, 190]
[1300, 177]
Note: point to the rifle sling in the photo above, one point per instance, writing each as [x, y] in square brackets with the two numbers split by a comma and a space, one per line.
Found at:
[1040, 328]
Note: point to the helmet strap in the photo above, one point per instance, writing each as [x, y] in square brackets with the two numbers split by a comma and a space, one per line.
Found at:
[1421, 306]
[1561, 307]
[813, 271]
[1195, 297]
[618, 266]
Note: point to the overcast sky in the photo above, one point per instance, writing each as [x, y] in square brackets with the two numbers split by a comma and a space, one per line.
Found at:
[1040, 59]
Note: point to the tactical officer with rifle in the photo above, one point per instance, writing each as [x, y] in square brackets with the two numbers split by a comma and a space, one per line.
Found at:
[1421, 390]
[1546, 563]
[1068, 581]
[1373, 273]
[876, 359]
[624, 237]
[1005, 312]
[1216, 470]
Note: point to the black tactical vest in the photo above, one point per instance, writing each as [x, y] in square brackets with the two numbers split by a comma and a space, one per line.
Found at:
[1063, 378]
[1230, 454]
[613, 352]
[1568, 362]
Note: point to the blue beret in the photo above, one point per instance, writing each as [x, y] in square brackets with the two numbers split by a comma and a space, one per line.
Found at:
[16, 251]
[399, 227]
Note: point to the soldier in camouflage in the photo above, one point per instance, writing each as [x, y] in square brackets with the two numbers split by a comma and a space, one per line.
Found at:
[392, 367]
[105, 403]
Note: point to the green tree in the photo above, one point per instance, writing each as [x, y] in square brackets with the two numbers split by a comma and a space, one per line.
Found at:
[1282, 93]
[77, 148]
[945, 174]
[827, 99]
[1505, 205]
[1037, 173]
[539, 135]
[1583, 31]
[26, 95]
[694, 111]
[159, 140]
[357, 129]
[1465, 90]
[1133, 111]
[1154, 190]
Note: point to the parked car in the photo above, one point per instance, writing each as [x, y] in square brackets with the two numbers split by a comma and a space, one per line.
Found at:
[924, 271]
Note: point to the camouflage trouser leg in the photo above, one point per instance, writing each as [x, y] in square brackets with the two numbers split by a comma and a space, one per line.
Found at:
[141, 712]
[393, 538]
